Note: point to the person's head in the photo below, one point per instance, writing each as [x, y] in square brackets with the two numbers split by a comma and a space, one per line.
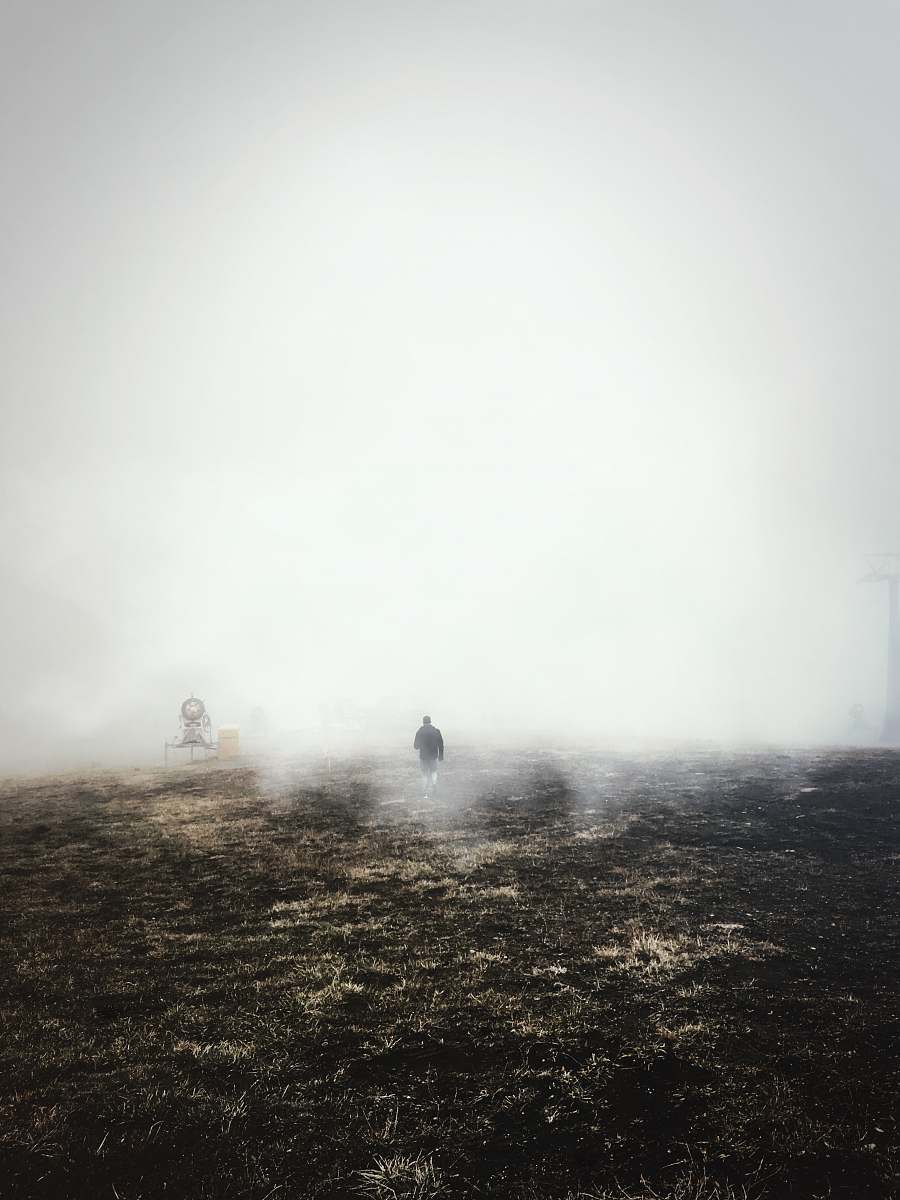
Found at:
[426, 720]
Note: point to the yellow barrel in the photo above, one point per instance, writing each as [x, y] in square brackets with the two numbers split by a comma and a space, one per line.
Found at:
[229, 741]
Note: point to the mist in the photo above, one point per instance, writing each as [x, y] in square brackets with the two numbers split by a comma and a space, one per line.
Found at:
[528, 365]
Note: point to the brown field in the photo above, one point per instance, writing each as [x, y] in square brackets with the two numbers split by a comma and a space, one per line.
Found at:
[571, 975]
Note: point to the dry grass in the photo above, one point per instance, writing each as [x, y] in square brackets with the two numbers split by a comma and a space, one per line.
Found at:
[606, 985]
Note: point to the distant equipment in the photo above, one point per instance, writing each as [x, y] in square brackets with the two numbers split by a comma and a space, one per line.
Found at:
[229, 741]
[858, 727]
[885, 568]
[195, 732]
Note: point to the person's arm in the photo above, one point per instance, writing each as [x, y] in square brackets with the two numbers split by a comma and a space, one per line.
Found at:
[440, 746]
[416, 742]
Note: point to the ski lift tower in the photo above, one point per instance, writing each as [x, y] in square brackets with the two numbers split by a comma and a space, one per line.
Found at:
[885, 568]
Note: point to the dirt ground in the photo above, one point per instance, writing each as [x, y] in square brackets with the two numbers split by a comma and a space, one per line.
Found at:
[599, 975]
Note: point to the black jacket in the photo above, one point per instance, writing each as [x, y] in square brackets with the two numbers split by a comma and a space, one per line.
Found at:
[429, 743]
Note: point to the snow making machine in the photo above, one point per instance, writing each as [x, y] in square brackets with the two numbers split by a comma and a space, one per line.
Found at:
[195, 730]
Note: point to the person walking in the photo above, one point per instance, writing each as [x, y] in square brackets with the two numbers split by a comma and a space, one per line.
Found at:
[430, 746]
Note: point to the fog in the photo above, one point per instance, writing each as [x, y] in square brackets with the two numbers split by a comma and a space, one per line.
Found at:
[531, 365]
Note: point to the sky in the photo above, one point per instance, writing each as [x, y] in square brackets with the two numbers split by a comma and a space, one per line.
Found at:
[527, 364]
